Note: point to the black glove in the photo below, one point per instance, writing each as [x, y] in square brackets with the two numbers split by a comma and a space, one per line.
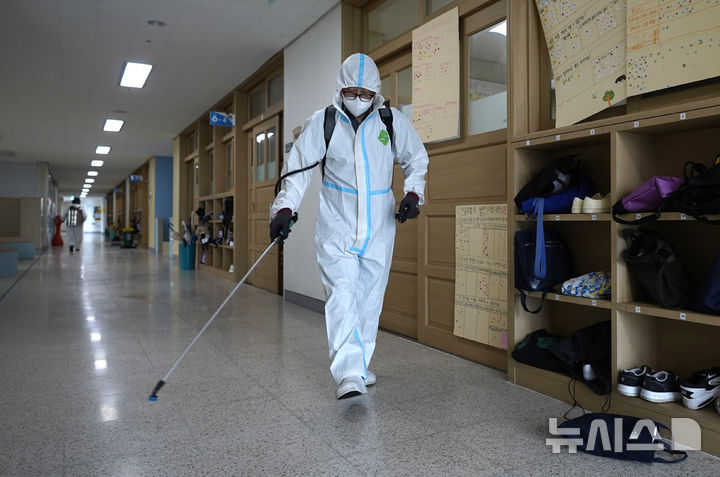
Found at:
[408, 207]
[280, 225]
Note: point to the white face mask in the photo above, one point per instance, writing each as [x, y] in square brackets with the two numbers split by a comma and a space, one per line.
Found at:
[356, 107]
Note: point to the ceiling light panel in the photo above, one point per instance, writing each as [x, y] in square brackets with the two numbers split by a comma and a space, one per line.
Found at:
[113, 125]
[102, 150]
[92, 173]
[135, 74]
[97, 163]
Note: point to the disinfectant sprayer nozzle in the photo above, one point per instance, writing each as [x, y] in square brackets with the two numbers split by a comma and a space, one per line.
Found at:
[153, 396]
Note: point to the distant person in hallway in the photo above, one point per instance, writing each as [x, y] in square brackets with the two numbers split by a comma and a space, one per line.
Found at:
[356, 219]
[74, 218]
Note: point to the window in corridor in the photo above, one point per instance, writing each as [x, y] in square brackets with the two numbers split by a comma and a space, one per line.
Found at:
[487, 82]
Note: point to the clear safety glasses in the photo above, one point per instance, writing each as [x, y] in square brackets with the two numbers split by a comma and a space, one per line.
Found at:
[364, 97]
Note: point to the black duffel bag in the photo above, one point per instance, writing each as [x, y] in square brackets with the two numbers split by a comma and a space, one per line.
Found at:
[654, 263]
[699, 196]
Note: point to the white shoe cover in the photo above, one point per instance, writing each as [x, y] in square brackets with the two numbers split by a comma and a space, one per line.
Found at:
[350, 386]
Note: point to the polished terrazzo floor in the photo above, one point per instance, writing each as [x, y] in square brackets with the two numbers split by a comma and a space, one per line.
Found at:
[85, 337]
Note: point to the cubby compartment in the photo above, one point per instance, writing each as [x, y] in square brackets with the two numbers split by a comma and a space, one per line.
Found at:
[557, 318]
[561, 319]
[662, 150]
[589, 244]
[670, 345]
[592, 151]
[666, 344]
[696, 245]
[227, 254]
[206, 254]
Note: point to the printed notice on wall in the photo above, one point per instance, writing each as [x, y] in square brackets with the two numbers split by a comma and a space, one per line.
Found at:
[481, 273]
[586, 42]
[671, 42]
[436, 78]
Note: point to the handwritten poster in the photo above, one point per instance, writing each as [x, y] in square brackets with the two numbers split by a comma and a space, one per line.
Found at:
[586, 42]
[481, 273]
[671, 42]
[436, 78]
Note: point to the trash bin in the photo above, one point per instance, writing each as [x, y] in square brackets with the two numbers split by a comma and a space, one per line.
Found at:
[127, 239]
[187, 256]
[111, 234]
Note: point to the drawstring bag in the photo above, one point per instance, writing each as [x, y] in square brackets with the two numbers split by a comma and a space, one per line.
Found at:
[595, 434]
[588, 346]
[648, 197]
[653, 262]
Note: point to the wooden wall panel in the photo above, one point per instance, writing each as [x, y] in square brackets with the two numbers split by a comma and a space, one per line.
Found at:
[406, 242]
[467, 174]
[441, 304]
[400, 305]
[441, 240]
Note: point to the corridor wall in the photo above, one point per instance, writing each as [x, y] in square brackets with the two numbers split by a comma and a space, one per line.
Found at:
[311, 66]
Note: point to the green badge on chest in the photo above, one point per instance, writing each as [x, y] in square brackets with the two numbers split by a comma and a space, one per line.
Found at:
[383, 137]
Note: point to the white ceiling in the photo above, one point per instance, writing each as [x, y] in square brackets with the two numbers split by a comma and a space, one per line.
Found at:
[60, 65]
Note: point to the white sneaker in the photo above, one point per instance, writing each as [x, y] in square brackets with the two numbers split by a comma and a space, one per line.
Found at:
[371, 379]
[577, 206]
[597, 204]
[350, 387]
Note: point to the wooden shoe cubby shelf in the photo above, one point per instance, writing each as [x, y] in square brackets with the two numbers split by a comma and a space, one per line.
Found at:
[210, 155]
[619, 154]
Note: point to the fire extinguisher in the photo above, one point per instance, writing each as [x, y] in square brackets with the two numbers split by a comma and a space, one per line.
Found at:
[57, 240]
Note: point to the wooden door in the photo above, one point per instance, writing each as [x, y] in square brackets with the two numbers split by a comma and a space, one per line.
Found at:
[264, 153]
[400, 306]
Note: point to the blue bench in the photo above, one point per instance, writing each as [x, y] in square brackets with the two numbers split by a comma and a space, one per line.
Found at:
[8, 262]
[26, 250]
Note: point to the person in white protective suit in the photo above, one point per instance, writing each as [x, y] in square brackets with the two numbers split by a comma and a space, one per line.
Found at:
[356, 218]
[74, 218]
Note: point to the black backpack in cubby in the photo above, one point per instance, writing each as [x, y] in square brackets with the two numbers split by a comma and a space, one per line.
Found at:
[558, 176]
[540, 268]
[699, 196]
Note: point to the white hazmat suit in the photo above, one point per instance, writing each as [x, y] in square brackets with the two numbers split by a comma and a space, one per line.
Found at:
[74, 218]
[356, 218]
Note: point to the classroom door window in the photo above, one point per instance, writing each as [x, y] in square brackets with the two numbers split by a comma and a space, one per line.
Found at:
[487, 82]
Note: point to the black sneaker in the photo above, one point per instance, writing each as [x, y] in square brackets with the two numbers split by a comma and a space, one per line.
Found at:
[701, 388]
[631, 380]
[662, 386]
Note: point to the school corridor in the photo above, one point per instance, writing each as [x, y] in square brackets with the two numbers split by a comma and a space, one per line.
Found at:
[84, 337]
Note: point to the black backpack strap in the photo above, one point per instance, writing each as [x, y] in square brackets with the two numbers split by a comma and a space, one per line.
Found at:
[328, 128]
[387, 117]
[618, 209]
[523, 302]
